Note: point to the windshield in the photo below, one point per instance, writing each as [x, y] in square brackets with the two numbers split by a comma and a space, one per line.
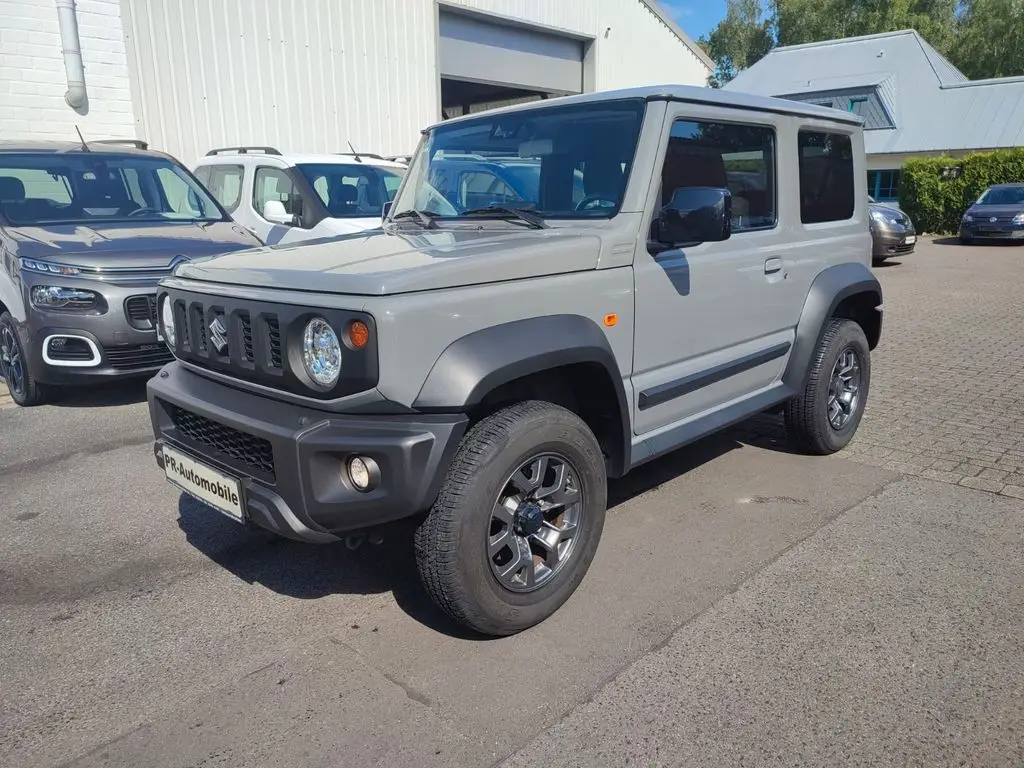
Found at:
[86, 188]
[567, 162]
[1003, 196]
[352, 190]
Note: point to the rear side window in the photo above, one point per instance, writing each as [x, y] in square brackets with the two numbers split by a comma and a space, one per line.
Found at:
[224, 182]
[826, 177]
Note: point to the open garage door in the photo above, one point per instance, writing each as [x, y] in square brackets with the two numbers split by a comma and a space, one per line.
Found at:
[485, 63]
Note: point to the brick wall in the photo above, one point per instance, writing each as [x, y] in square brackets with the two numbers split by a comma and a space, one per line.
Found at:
[32, 79]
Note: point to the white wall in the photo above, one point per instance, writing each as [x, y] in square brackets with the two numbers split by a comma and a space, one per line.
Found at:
[32, 79]
[310, 75]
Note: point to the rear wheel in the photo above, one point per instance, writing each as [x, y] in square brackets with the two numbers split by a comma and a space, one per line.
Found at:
[825, 416]
[24, 389]
[518, 519]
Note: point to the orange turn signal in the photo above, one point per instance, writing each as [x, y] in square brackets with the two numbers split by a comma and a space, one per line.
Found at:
[358, 334]
[610, 320]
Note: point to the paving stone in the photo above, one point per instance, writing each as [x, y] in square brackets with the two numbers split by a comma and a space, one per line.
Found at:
[1013, 491]
[981, 484]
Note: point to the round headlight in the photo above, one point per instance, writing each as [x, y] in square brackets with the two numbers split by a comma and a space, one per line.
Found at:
[321, 352]
[167, 321]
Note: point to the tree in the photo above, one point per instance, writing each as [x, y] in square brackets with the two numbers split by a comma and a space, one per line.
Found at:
[990, 42]
[983, 38]
[743, 37]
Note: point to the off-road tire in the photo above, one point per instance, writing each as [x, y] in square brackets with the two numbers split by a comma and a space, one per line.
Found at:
[806, 414]
[32, 392]
[450, 545]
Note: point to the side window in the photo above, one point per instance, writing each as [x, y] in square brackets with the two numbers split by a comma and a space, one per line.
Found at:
[733, 156]
[224, 182]
[826, 177]
[478, 189]
[274, 184]
[391, 184]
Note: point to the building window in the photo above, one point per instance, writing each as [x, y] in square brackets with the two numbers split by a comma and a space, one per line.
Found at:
[884, 185]
[826, 177]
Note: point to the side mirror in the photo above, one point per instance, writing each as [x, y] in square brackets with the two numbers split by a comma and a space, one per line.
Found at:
[386, 210]
[695, 215]
[273, 211]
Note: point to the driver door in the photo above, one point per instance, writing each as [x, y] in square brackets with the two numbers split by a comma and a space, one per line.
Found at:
[711, 323]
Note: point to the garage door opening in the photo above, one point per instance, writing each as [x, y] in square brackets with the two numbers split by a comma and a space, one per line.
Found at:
[485, 64]
[460, 97]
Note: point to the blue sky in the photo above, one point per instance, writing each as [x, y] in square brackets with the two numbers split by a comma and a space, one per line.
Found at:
[696, 17]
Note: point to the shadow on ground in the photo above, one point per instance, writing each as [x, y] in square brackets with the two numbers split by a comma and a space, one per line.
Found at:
[994, 243]
[100, 395]
[309, 572]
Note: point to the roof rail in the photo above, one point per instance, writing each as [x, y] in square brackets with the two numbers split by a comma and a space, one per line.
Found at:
[244, 150]
[137, 143]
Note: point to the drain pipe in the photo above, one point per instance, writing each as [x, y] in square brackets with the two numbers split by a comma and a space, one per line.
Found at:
[67, 20]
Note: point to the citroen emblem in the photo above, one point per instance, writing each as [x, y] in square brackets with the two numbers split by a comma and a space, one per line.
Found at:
[219, 334]
[994, 219]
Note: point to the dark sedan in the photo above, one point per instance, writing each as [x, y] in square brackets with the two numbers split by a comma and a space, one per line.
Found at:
[997, 215]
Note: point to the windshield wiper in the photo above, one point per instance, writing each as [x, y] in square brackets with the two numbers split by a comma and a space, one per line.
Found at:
[505, 211]
[424, 218]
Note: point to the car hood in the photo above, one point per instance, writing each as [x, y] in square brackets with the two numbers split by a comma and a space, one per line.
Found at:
[143, 246]
[995, 210]
[889, 210]
[379, 262]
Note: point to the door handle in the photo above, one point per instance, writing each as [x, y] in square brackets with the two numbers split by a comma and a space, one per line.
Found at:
[773, 265]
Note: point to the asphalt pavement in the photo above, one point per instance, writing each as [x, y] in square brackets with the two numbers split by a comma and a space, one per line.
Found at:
[747, 606]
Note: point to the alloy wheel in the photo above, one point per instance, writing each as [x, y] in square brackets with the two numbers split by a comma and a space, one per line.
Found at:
[534, 522]
[844, 389]
[11, 365]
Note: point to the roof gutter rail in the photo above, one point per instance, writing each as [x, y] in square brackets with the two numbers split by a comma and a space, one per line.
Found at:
[74, 69]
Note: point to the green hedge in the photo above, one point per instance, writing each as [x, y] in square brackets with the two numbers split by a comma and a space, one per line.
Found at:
[936, 204]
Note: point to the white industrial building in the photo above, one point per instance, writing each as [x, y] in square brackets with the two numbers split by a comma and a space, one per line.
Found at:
[313, 75]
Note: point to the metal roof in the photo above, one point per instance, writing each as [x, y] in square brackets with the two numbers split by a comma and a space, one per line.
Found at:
[672, 92]
[935, 107]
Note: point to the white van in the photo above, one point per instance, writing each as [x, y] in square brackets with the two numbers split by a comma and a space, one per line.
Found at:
[289, 198]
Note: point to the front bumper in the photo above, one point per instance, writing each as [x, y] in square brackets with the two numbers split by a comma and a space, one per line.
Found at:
[892, 240]
[290, 460]
[985, 230]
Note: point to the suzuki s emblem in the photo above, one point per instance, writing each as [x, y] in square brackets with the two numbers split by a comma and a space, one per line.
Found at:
[219, 334]
[993, 220]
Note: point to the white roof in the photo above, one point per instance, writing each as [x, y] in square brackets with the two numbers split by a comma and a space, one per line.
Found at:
[673, 92]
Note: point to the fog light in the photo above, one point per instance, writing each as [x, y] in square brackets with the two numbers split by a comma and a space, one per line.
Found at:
[363, 473]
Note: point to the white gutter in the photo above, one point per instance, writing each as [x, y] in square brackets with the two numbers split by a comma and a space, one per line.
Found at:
[74, 69]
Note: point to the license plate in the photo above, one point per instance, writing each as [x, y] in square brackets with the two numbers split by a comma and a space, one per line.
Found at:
[910, 239]
[211, 487]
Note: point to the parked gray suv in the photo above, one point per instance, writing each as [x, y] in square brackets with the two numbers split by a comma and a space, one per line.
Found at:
[490, 367]
[86, 232]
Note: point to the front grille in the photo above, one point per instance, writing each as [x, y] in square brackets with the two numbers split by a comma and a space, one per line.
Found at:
[137, 356]
[274, 337]
[249, 339]
[254, 453]
[141, 312]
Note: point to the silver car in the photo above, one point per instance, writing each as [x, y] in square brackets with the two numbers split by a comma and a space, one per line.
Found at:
[892, 231]
[86, 232]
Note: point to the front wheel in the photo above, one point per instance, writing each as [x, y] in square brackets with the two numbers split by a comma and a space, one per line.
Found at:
[824, 417]
[518, 519]
[24, 389]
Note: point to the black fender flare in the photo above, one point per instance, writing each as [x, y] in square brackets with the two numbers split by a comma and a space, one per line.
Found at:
[476, 364]
[828, 290]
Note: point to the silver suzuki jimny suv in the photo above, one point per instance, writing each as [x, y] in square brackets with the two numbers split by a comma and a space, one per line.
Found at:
[685, 258]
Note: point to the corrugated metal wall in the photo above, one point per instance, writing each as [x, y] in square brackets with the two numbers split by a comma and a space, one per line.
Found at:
[310, 75]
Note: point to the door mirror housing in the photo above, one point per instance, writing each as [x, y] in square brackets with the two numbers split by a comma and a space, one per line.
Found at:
[274, 212]
[385, 210]
[695, 215]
